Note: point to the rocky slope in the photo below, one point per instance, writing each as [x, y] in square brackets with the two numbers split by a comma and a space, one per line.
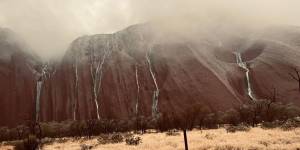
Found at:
[17, 78]
[274, 67]
[132, 71]
[145, 71]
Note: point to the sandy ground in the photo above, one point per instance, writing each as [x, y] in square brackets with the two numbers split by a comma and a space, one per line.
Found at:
[217, 139]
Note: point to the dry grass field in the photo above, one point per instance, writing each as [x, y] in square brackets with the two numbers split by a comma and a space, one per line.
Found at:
[217, 139]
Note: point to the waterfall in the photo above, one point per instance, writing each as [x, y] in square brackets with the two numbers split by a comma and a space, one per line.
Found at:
[38, 95]
[97, 77]
[155, 110]
[39, 86]
[76, 90]
[244, 66]
[138, 90]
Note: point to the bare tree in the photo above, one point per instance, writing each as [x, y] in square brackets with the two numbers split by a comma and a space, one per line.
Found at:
[34, 128]
[21, 129]
[90, 127]
[296, 76]
[272, 99]
[256, 109]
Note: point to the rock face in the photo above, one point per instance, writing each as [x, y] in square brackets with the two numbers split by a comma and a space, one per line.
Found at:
[274, 67]
[132, 71]
[140, 70]
[17, 80]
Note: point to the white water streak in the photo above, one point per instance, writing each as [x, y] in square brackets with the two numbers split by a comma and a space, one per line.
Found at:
[156, 92]
[97, 79]
[138, 90]
[245, 67]
[39, 86]
[76, 90]
[38, 95]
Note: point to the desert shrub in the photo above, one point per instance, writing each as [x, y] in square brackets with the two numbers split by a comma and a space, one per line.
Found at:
[288, 111]
[262, 110]
[102, 126]
[30, 143]
[18, 145]
[210, 136]
[64, 128]
[240, 127]
[34, 128]
[195, 115]
[265, 143]
[271, 125]
[110, 138]
[103, 139]
[22, 131]
[91, 127]
[85, 147]
[164, 122]
[211, 121]
[4, 133]
[61, 140]
[290, 124]
[8, 134]
[227, 147]
[116, 138]
[172, 132]
[192, 116]
[127, 135]
[77, 128]
[13, 134]
[54, 129]
[139, 123]
[134, 140]
[231, 116]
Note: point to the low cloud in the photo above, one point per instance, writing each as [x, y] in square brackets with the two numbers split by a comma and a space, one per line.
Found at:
[49, 26]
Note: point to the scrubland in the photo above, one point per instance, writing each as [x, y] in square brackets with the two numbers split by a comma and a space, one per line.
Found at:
[212, 139]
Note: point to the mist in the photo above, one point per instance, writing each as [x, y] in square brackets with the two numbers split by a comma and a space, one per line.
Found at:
[49, 26]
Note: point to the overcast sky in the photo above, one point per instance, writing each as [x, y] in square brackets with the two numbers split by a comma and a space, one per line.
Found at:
[49, 26]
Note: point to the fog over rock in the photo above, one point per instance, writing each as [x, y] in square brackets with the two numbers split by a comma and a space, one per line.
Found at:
[143, 69]
[76, 60]
[49, 26]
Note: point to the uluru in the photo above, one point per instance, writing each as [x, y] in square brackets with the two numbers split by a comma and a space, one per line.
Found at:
[137, 74]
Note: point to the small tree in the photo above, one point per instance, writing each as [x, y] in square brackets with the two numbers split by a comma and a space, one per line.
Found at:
[90, 127]
[245, 113]
[231, 116]
[77, 128]
[256, 109]
[195, 115]
[211, 121]
[4, 133]
[164, 122]
[34, 128]
[271, 100]
[21, 129]
[140, 124]
[295, 75]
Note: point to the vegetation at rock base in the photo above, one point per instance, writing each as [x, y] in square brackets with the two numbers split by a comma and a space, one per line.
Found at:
[265, 113]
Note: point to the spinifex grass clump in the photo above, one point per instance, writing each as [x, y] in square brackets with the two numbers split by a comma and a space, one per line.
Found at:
[30, 143]
[110, 138]
[134, 140]
[172, 132]
[290, 124]
[271, 125]
[240, 127]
